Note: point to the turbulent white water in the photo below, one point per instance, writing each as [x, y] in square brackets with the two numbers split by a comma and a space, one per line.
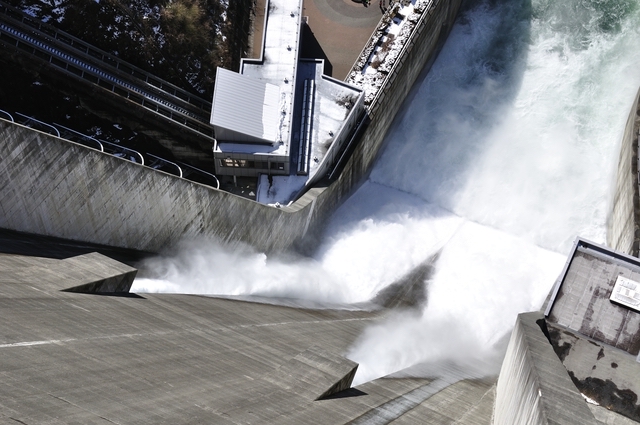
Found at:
[505, 153]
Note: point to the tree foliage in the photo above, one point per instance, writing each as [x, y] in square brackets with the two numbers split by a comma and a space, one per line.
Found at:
[181, 41]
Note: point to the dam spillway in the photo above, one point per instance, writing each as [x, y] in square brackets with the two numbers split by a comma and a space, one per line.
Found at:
[506, 151]
[491, 260]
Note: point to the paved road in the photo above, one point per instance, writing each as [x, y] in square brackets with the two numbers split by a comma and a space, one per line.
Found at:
[339, 29]
[342, 28]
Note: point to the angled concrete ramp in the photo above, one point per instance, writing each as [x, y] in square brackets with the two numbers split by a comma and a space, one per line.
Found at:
[89, 273]
[315, 374]
[98, 273]
[534, 387]
[172, 359]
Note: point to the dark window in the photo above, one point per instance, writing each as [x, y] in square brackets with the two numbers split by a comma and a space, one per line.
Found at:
[226, 162]
[237, 163]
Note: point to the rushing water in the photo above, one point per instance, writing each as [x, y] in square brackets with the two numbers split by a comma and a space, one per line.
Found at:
[505, 152]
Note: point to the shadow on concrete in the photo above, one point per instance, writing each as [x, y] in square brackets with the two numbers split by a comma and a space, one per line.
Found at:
[351, 392]
[311, 49]
[410, 291]
[120, 294]
[19, 243]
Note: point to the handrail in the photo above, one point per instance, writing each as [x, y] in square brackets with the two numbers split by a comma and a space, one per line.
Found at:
[104, 142]
[28, 118]
[168, 162]
[123, 148]
[105, 57]
[120, 147]
[65, 55]
[84, 136]
[7, 114]
[197, 170]
[85, 66]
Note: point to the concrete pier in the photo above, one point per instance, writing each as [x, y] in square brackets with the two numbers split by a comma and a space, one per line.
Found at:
[623, 224]
[534, 387]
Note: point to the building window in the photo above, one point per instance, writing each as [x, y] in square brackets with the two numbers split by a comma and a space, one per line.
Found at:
[237, 163]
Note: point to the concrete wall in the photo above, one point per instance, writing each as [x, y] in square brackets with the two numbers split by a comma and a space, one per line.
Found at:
[52, 187]
[340, 139]
[623, 232]
[534, 388]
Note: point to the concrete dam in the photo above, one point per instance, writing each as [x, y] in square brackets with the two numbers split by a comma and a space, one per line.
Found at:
[504, 152]
[526, 161]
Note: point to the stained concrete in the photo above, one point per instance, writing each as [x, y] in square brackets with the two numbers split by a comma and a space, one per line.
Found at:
[609, 377]
[534, 387]
[582, 300]
[597, 340]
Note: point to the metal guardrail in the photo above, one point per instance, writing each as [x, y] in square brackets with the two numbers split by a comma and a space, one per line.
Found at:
[160, 162]
[190, 169]
[102, 56]
[68, 133]
[29, 121]
[183, 170]
[83, 61]
[115, 149]
[6, 114]
[121, 152]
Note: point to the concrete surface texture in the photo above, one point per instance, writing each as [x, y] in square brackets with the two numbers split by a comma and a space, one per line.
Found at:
[88, 273]
[597, 340]
[52, 187]
[610, 378]
[68, 358]
[623, 223]
[582, 301]
[534, 387]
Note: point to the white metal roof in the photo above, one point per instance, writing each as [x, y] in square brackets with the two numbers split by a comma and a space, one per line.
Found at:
[245, 106]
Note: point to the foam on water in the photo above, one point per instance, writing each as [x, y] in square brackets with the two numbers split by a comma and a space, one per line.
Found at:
[505, 153]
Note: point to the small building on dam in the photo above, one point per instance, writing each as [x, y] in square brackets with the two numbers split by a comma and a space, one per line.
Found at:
[280, 115]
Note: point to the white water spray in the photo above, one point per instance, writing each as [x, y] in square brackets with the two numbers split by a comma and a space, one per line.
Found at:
[504, 155]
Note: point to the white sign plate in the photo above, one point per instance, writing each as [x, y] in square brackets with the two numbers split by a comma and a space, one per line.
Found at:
[627, 293]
